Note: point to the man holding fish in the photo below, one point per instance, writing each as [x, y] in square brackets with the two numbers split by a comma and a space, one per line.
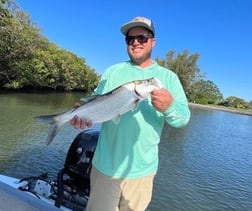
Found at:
[126, 157]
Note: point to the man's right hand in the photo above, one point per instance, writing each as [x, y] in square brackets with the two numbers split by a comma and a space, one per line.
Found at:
[79, 123]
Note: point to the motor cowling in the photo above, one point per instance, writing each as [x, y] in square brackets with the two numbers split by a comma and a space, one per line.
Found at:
[79, 157]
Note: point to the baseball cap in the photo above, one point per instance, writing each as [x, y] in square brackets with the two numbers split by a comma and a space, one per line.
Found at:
[138, 21]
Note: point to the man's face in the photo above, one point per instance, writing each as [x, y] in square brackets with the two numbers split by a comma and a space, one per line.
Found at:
[139, 45]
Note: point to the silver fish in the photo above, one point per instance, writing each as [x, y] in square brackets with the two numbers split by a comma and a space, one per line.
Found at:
[101, 108]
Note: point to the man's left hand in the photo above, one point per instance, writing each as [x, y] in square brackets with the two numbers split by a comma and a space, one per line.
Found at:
[161, 99]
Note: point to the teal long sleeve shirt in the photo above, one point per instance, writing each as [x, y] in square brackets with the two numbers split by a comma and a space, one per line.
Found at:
[129, 149]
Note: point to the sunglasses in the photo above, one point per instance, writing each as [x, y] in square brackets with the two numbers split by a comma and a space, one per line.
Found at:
[142, 38]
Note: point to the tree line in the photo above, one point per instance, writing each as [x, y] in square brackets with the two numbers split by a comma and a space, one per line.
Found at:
[197, 88]
[29, 60]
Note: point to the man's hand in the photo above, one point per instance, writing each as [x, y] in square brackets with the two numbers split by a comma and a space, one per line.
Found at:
[161, 99]
[79, 123]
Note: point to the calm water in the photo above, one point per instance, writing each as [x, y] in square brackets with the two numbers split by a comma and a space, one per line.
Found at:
[205, 166]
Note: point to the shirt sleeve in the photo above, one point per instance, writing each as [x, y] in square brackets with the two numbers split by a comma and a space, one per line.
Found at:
[178, 114]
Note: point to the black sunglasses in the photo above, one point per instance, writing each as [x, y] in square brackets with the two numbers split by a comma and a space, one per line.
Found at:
[142, 38]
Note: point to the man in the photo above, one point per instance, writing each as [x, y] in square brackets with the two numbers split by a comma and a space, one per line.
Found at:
[126, 157]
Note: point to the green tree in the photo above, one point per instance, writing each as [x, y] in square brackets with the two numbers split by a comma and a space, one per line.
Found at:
[205, 92]
[185, 66]
[236, 102]
[28, 59]
[250, 105]
[18, 41]
[59, 69]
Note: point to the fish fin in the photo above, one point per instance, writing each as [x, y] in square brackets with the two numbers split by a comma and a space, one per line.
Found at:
[50, 119]
[116, 119]
[87, 99]
[56, 125]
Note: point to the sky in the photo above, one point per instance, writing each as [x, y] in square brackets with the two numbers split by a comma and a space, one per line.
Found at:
[220, 31]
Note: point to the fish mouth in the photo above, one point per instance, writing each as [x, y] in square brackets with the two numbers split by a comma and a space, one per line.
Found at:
[140, 95]
[143, 92]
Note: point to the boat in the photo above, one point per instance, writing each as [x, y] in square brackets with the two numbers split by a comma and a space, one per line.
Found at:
[69, 191]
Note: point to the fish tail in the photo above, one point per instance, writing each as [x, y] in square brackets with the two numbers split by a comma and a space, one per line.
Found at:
[55, 123]
[52, 133]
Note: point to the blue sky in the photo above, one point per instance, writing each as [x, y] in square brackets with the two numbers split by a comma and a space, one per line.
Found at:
[219, 30]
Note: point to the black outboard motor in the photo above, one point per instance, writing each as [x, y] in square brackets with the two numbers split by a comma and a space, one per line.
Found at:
[79, 157]
[77, 165]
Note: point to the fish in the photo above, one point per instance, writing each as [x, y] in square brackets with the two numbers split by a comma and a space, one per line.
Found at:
[105, 107]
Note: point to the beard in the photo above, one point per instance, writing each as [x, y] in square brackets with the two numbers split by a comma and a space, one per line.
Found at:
[141, 58]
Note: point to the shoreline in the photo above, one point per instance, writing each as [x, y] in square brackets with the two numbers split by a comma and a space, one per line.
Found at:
[220, 108]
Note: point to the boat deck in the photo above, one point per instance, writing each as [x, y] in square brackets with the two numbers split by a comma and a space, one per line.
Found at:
[12, 199]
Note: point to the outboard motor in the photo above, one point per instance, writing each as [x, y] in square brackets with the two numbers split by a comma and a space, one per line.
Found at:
[76, 172]
[79, 157]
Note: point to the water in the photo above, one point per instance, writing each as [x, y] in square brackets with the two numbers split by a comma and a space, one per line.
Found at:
[205, 166]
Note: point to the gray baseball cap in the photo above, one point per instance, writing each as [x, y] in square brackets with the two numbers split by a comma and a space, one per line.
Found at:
[138, 21]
